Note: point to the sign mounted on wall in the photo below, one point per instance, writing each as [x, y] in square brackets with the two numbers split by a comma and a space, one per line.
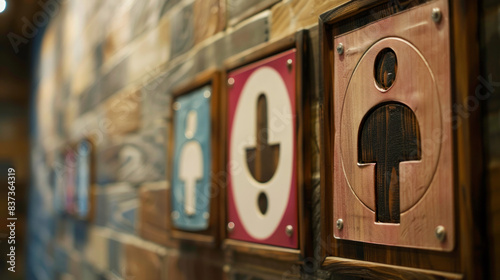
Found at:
[392, 154]
[264, 195]
[194, 160]
[84, 179]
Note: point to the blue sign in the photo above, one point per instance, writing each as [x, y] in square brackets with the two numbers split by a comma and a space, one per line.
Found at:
[191, 166]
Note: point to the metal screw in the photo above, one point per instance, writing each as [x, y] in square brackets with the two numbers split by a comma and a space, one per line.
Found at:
[289, 63]
[440, 233]
[289, 230]
[436, 15]
[230, 227]
[207, 94]
[340, 224]
[175, 215]
[177, 106]
[230, 81]
[206, 215]
[340, 48]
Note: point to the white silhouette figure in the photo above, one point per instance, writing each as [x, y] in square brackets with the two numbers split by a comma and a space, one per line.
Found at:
[190, 164]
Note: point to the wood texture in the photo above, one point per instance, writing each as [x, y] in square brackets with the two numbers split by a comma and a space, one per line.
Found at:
[389, 134]
[153, 217]
[209, 18]
[241, 9]
[369, 252]
[142, 263]
[426, 184]
[299, 41]
[368, 270]
[182, 31]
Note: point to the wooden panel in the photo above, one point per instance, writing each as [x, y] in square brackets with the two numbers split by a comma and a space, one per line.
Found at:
[135, 159]
[356, 97]
[345, 267]
[247, 34]
[289, 16]
[209, 18]
[197, 219]
[116, 208]
[123, 111]
[143, 263]
[208, 264]
[253, 55]
[151, 50]
[241, 9]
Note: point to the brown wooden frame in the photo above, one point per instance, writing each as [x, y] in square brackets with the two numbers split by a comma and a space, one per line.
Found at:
[375, 261]
[211, 236]
[303, 170]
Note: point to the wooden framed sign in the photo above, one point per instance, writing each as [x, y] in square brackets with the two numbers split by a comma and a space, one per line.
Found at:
[387, 133]
[195, 160]
[85, 179]
[265, 202]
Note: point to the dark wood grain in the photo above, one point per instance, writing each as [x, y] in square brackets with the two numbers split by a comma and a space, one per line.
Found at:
[304, 74]
[388, 135]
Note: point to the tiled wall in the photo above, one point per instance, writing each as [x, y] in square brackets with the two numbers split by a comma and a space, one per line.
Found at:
[107, 70]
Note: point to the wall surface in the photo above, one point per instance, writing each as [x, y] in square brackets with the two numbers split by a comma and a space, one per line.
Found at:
[107, 72]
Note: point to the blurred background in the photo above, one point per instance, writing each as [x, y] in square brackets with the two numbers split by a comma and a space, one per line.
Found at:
[104, 70]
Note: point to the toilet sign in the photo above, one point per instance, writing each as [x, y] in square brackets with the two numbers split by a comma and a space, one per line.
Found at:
[392, 145]
[83, 178]
[262, 185]
[191, 181]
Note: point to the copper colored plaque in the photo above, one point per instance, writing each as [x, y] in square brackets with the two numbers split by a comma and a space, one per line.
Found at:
[393, 163]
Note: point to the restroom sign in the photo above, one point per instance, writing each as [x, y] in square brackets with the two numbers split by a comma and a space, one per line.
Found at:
[262, 182]
[195, 160]
[393, 143]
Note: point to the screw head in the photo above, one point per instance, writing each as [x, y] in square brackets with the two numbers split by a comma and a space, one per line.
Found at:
[440, 233]
[207, 94]
[175, 215]
[289, 63]
[289, 230]
[206, 215]
[340, 224]
[230, 81]
[230, 227]
[177, 106]
[436, 15]
[340, 48]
